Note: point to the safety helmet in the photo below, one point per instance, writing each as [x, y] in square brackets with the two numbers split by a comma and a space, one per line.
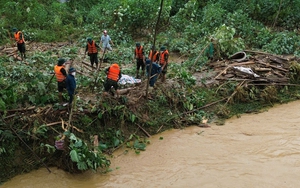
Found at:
[89, 39]
[61, 61]
[72, 70]
[163, 48]
[105, 32]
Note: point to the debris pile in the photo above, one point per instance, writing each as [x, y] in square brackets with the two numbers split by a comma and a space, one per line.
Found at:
[258, 69]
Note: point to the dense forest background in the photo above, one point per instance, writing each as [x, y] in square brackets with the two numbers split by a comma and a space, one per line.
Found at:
[186, 27]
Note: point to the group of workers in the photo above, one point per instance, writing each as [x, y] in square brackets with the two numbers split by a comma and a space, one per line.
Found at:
[155, 64]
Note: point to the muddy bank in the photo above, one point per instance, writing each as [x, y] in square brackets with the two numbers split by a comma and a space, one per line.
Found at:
[256, 150]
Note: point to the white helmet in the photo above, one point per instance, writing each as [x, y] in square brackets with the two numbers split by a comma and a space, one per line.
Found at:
[105, 32]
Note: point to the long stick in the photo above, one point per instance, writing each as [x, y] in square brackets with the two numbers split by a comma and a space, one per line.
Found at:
[155, 32]
[102, 57]
[30, 149]
[50, 81]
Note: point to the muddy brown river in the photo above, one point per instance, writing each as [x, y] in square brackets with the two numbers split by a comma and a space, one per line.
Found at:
[255, 150]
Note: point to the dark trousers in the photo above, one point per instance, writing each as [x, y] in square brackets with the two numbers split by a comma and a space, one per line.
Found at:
[94, 59]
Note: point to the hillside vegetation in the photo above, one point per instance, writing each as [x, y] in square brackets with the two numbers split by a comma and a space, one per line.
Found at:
[201, 36]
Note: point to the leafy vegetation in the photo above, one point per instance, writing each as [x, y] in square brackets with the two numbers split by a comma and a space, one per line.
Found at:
[187, 27]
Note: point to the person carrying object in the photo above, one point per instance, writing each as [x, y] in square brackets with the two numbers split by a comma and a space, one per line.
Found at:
[155, 71]
[113, 75]
[60, 74]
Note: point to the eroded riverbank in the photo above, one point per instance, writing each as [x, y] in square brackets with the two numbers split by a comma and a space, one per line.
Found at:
[256, 150]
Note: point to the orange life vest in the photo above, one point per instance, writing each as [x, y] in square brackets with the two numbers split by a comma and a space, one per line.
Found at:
[17, 37]
[139, 52]
[59, 76]
[113, 72]
[92, 48]
[162, 59]
[155, 55]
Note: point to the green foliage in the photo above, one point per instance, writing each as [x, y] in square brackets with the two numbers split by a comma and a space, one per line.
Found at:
[283, 43]
[84, 157]
[137, 143]
[228, 42]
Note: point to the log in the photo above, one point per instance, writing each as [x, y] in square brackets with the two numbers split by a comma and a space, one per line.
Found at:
[147, 134]
[262, 69]
[268, 65]
[21, 109]
[234, 64]
[265, 53]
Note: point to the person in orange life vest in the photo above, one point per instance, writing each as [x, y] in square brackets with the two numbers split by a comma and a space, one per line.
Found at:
[163, 61]
[113, 75]
[140, 59]
[92, 49]
[153, 55]
[61, 75]
[19, 37]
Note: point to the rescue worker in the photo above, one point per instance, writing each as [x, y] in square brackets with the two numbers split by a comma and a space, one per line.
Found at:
[71, 84]
[140, 59]
[113, 75]
[155, 71]
[163, 61]
[61, 75]
[153, 55]
[19, 37]
[92, 49]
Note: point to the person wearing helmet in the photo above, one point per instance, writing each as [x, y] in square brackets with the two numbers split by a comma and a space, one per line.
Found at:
[61, 74]
[92, 49]
[163, 62]
[19, 37]
[140, 59]
[105, 41]
[113, 76]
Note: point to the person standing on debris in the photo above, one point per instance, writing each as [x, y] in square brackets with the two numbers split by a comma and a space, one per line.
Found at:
[19, 37]
[92, 49]
[71, 84]
[155, 71]
[153, 55]
[61, 75]
[140, 59]
[113, 75]
[163, 61]
[105, 41]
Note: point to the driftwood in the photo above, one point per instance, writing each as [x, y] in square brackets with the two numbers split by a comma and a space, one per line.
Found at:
[262, 68]
[265, 53]
[20, 109]
[147, 134]
[268, 65]
[234, 64]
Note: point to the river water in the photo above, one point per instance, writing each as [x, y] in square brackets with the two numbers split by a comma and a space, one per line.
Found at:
[256, 150]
